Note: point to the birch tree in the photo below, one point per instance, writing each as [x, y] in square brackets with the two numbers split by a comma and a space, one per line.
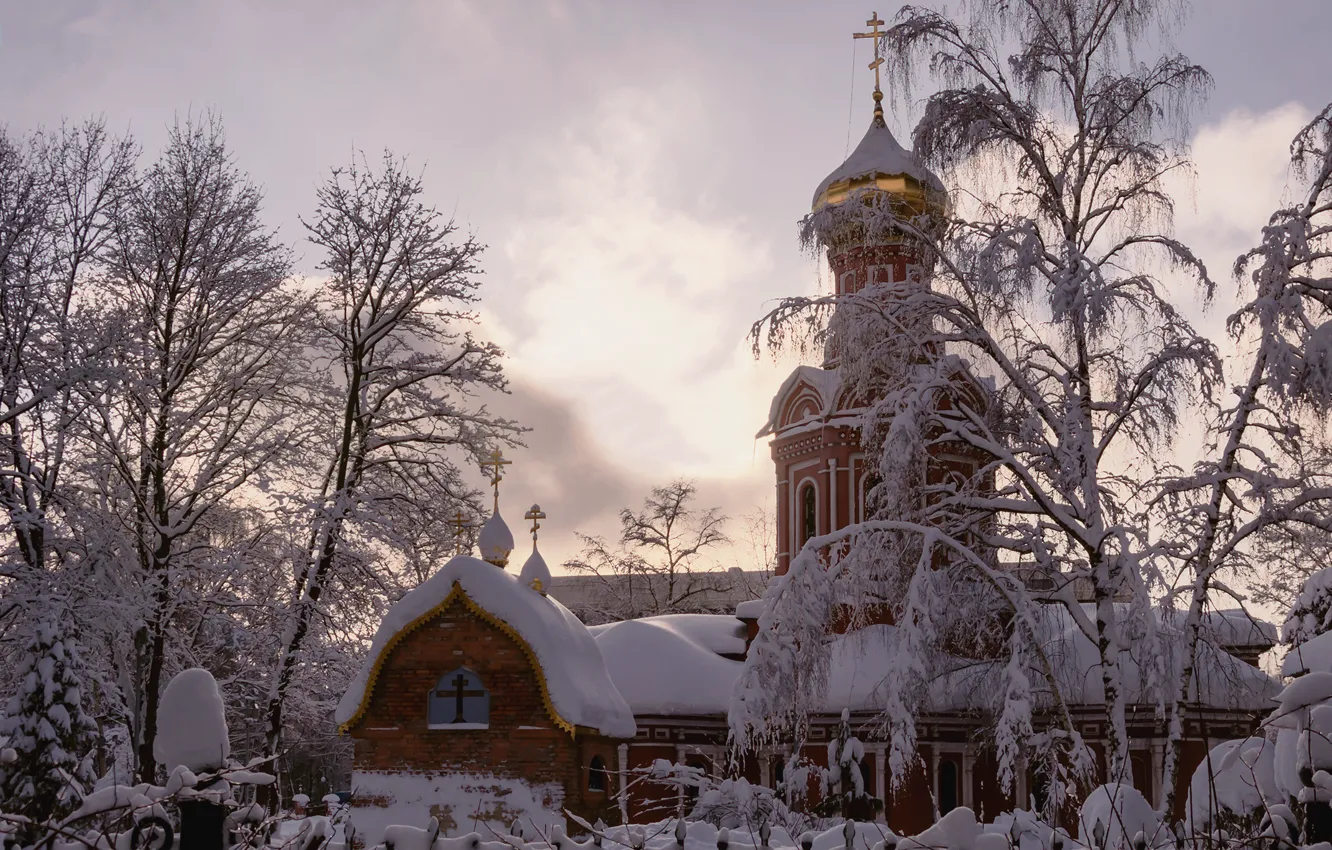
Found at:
[394, 332]
[1045, 281]
[1268, 482]
[206, 407]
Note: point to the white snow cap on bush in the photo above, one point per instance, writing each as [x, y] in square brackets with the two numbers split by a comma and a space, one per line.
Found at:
[1122, 812]
[1237, 777]
[192, 723]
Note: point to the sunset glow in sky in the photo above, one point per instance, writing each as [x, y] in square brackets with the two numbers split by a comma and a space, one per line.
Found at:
[637, 170]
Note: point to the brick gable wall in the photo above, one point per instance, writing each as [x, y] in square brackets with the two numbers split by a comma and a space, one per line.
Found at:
[393, 735]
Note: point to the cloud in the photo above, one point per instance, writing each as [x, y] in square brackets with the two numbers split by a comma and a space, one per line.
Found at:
[568, 472]
[629, 288]
[1242, 174]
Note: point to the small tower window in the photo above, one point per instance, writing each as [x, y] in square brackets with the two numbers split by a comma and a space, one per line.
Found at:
[459, 701]
[809, 513]
[596, 775]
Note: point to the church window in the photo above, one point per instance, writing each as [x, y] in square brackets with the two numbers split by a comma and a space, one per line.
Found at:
[459, 700]
[596, 775]
[809, 513]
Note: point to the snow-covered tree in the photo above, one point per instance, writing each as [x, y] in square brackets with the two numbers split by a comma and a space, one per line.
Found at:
[59, 192]
[1311, 612]
[1047, 279]
[842, 782]
[400, 413]
[1268, 479]
[654, 566]
[204, 408]
[45, 723]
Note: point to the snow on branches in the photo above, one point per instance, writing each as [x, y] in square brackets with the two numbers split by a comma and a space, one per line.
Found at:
[46, 728]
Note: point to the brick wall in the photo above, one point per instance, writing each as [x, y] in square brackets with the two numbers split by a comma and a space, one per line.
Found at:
[522, 741]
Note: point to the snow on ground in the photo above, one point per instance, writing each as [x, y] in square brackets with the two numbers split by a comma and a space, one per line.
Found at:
[463, 804]
[580, 687]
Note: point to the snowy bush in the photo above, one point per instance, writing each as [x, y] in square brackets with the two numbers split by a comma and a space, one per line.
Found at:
[1311, 613]
[842, 783]
[1232, 786]
[46, 769]
[1114, 816]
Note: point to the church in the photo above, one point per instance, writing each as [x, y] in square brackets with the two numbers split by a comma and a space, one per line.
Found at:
[484, 700]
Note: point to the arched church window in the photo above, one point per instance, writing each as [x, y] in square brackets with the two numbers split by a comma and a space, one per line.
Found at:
[459, 701]
[809, 513]
[596, 775]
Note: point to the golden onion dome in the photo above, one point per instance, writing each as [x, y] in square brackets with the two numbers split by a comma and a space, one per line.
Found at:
[879, 162]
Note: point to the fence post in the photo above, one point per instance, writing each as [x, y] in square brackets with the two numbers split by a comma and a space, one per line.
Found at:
[1317, 812]
[202, 825]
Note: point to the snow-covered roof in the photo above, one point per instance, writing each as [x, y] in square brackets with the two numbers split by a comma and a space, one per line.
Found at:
[825, 382]
[879, 153]
[576, 685]
[1220, 680]
[1235, 627]
[669, 665]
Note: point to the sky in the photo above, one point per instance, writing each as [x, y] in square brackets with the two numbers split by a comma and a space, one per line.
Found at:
[637, 170]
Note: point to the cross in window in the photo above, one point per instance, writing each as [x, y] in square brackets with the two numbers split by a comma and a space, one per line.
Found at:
[459, 691]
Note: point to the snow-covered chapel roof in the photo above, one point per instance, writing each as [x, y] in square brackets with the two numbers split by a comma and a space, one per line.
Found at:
[575, 686]
[877, 155]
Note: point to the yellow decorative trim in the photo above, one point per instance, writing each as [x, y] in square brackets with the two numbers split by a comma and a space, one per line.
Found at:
[457, 594]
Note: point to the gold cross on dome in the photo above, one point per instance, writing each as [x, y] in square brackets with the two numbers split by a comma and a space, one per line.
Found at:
[874, 34]
[535, 515]
[496, 465]
[460, 524]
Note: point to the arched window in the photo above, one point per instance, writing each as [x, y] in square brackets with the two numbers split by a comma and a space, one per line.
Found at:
[809, 513]
[596, 775]
[459, 701]
[948, 786]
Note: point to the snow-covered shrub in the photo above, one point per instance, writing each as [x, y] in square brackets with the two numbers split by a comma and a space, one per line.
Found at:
[735, 803]
[842, 783]
[46, 770]
[1311, 612]
[1118, 813]
[1232, 787]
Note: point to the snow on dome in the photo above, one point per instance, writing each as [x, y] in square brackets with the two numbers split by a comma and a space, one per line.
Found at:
[495, 540]
[572, 672]
[535, 574]
[877, 155]
[192, 723]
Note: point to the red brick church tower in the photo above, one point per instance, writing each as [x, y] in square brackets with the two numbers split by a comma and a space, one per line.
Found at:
[822, 469]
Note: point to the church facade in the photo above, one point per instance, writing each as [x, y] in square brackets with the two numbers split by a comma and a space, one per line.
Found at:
[484, 700]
